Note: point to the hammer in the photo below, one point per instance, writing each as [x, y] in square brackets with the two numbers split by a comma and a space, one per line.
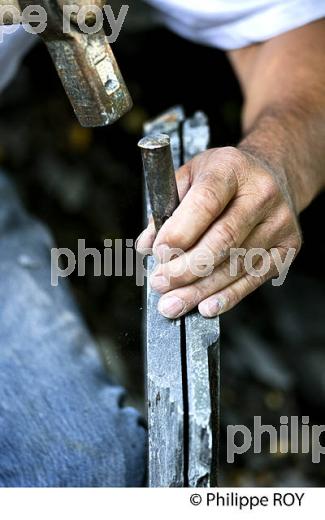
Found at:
[85, 63]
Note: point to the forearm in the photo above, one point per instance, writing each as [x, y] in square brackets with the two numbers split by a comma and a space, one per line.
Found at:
[283, 82]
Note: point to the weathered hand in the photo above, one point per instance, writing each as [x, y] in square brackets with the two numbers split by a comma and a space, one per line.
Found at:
[229, 200]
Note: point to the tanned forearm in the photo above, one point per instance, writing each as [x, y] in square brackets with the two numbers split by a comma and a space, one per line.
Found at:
[283, 81]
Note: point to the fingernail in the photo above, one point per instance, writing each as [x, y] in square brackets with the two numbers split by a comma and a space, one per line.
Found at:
[159, 282]
[162, 253]
[171, 307]
[210, 308]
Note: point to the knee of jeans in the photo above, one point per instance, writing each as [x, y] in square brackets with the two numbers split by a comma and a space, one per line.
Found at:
[42, 445]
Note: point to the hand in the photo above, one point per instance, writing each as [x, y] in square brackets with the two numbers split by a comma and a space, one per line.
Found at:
[229, 199]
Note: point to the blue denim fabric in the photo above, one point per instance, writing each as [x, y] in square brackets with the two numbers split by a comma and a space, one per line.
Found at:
[60, 419]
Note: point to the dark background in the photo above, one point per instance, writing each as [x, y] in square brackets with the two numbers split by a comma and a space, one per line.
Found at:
[88, 184]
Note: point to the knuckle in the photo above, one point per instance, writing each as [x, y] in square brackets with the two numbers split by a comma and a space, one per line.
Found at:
[285, 217]
[268, 189]
[206, 199]
[227, 238]
[235, 164]
[210, 247]
[228, 162]
[235, 156]
[173, 235]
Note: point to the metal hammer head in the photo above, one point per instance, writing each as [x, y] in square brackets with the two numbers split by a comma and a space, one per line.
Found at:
[86, 66]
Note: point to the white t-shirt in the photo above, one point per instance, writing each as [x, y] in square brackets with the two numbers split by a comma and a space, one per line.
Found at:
[226, 24]
[231, 24]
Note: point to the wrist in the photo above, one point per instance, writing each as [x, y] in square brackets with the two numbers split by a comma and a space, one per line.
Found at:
[282, 145]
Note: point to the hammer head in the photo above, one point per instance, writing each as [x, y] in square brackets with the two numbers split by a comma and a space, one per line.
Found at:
[91, 78]
[86, 66]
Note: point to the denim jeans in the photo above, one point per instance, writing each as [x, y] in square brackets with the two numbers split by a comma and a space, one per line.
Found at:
[61, 423]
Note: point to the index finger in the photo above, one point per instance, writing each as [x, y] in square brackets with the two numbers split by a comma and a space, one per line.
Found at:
[203, 203]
